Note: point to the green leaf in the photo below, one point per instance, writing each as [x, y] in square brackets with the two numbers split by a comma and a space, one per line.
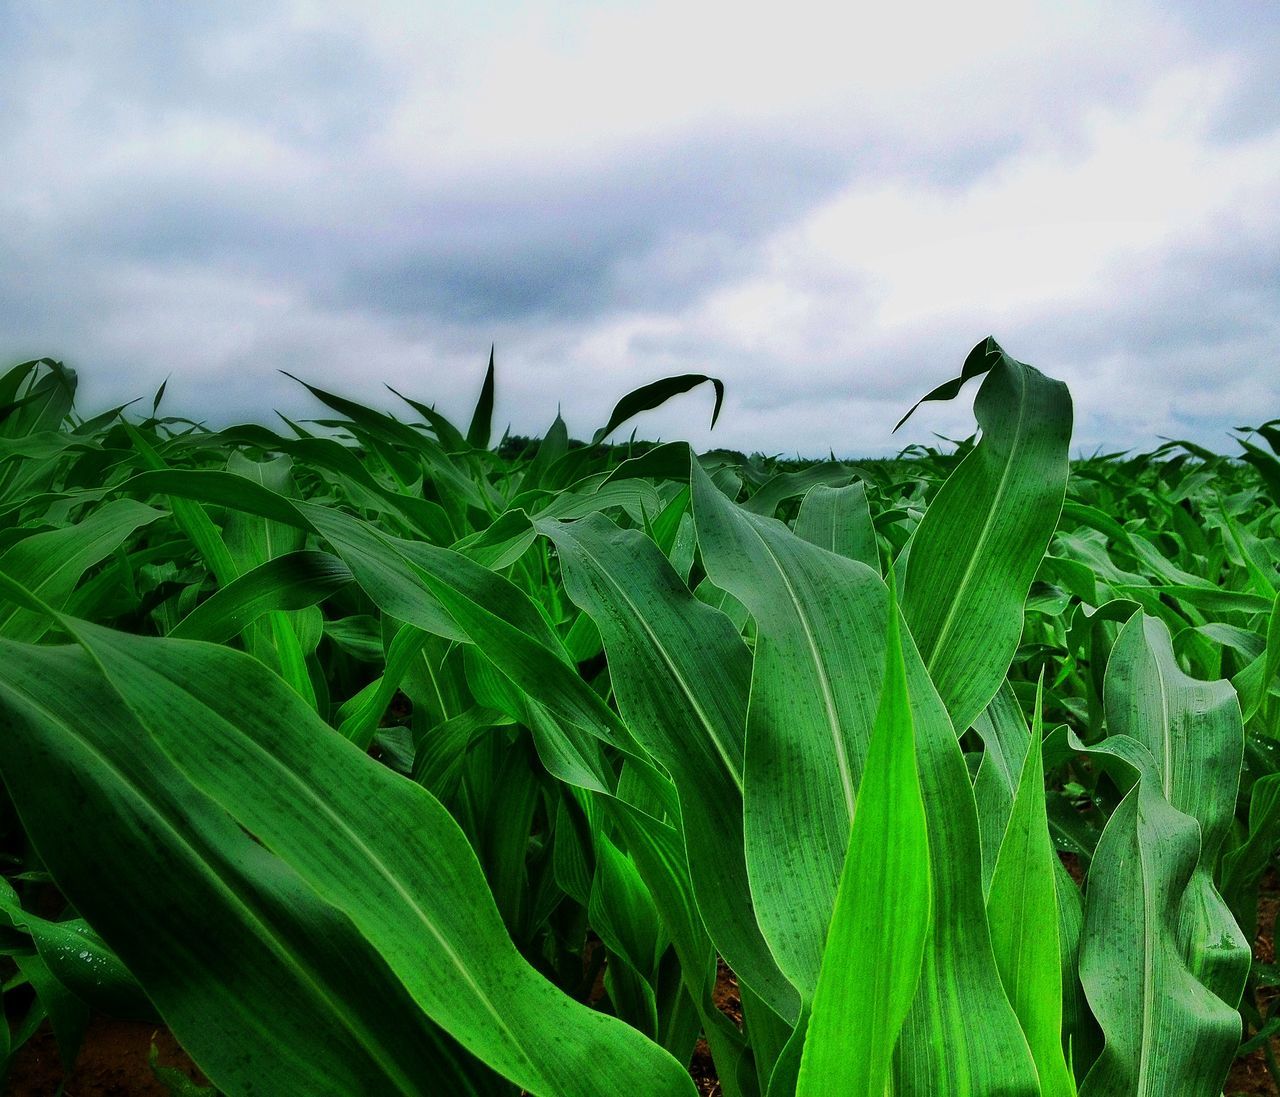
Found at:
[787, 485]
[191, 517]
[292, 581]
[653, 395]
[1167, 1034]
[1245, 865]
[818, 661]
[839, 520]
[481, 428]
[874, 949]
[1162, 960]
[981, 541]
[1022, 909]
[1007, 744]
[1193, 730]
[174, 1080]
[235, 932]
[52, 563]
[820, 635]
[77, 957]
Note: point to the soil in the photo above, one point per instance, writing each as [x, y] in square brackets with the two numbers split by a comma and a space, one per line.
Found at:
[113, 1062]
[1072, 864]
[1249, 1076]
[728, 1001]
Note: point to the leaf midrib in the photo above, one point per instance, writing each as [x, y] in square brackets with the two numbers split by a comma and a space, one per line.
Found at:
[988, 523]
[828, 697]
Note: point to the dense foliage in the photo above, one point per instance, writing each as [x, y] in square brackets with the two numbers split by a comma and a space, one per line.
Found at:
[377, 757]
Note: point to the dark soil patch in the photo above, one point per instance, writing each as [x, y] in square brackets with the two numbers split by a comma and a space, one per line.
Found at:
[1071, 862]
[704, 1071]
[113, 1062]
[725, 996]
[728, 1001]
[1249, 1076]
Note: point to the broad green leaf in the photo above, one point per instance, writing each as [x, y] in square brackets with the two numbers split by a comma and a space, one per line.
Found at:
[1007, 745]
[77, 957]
[1193, 731]
[839, 520]
[1167, 1034]
[1208, 599]
[874, 949]
[787, 485]
[239, 932]
[818, 663]
[1022, 909]
[1162, 960]
[292, 581]
[983, 536]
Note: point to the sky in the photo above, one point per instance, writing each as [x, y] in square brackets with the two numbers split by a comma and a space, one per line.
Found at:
[825, 205]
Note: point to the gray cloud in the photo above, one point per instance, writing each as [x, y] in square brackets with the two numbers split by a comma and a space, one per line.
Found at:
[220, 192]
[145, 60]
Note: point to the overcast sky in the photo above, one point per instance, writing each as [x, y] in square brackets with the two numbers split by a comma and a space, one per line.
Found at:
[825, 209]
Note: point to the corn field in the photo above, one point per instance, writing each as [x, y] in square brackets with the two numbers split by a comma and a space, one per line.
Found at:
[376, 756]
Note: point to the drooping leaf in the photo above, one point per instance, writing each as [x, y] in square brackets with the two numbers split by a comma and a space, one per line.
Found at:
[655, 394]
[984, 534]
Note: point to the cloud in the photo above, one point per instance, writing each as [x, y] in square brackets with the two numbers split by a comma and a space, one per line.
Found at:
[826, 209]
